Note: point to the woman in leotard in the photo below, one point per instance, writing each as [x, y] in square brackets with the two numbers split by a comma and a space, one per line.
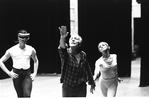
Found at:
[106, 67]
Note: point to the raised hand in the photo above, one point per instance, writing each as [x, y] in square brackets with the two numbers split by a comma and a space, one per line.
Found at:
[63, 31]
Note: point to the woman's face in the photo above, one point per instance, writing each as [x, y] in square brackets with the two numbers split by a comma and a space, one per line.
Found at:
[103, 47]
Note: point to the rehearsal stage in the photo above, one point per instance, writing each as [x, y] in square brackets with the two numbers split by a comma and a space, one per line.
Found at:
[48, 85]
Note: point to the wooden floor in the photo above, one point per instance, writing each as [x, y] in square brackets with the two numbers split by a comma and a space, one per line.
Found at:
[47, 86]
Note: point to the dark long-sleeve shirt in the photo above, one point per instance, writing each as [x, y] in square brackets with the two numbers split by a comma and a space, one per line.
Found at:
[72, 72]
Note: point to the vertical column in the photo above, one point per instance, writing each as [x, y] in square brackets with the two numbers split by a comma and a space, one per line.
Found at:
[136, 13]
[73, 17]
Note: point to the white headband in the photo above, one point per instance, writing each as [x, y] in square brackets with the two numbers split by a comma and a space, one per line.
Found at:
[23, 34]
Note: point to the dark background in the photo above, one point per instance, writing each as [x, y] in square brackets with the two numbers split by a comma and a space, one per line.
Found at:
[144, 44]
[110, 21]
[99, 20]
[41, 18]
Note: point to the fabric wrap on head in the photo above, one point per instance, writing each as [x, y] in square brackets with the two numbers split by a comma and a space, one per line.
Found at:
[103, 46]
[75, 40]
[23, 34]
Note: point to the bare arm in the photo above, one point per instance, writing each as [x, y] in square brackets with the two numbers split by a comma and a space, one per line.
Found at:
[63, 33]
[4, 58]
[96, 71]
[36, 63]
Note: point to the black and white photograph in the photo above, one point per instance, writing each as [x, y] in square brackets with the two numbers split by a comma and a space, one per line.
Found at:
[73, 48]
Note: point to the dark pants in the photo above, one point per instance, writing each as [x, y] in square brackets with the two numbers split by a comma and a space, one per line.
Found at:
[23, 84]
[79, 91]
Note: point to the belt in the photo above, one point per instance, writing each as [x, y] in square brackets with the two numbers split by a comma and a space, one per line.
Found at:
[21, 69]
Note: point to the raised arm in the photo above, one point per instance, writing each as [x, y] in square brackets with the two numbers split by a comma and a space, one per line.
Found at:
[63, 33]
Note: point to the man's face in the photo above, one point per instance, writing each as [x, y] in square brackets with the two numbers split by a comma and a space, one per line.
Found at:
[23, 38]
[74, 41]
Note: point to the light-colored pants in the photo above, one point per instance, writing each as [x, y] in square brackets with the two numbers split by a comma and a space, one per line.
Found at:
[108, 86]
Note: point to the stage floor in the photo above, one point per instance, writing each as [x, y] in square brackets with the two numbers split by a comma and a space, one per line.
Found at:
[48, 85]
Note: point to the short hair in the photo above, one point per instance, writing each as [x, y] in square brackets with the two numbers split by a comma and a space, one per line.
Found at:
[101, 48]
